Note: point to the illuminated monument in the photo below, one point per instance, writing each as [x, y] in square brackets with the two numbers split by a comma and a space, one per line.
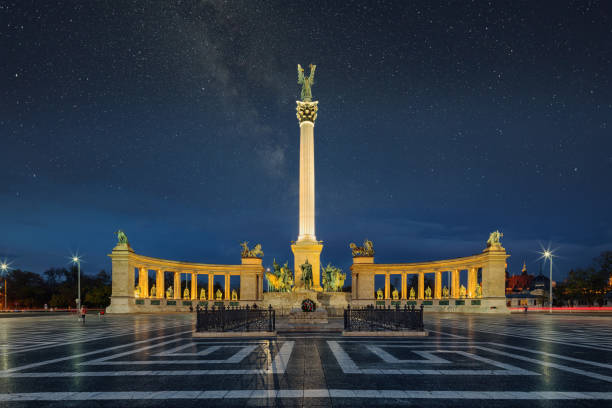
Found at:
[473, 284]
[307, 248]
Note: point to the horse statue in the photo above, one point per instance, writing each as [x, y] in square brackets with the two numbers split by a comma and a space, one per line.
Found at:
[121, 237]
[281, 279]
[366, 250]
[256, 252]
[332, 278]
[494, 239]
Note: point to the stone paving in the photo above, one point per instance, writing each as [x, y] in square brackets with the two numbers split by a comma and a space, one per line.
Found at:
[152, 360]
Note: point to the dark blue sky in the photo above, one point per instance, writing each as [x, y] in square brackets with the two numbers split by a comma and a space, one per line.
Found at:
[175, 121]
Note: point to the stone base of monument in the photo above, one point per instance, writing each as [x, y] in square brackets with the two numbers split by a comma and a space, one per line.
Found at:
[298, 317]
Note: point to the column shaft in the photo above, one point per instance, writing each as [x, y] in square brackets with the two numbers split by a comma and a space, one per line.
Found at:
[211, 279]
[421, 285]
[387, 286]
[160, 283]
[438, 288]
[471, 289]
[404, 285]
[143, 282]
[227, 287]
[307, 183]
[455, 283]
[194, 286]
[177, 285]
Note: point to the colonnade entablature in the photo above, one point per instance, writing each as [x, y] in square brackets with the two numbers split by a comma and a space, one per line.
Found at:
[133, 289]
[483, 279]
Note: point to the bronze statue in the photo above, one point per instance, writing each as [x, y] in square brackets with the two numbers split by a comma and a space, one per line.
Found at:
[203, 294]
[153, 291]
[395, 294]
[366, 250]
[256, 252]
[445, 292]
[121, 237]
[306, 82]
[306, 275]
[379, 294]
[495, 239]
[332, 278]
[218, 294]
[281, 279]
[428, 293]
[170, 293]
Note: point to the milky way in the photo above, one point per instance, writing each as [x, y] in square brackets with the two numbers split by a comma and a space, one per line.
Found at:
[175, 121]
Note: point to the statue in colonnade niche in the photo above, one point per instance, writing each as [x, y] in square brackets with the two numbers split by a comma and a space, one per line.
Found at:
[494, 239]
[137, 291]
[153, 291]
[218, 295]
[428, 293]
[445, 292]
[170, 292]
[478, 291]
[412, 294]
[306, 274]
[462, 292]
[203, 294]
[256, 252]
[332, 278]
[186, 294]
[379, 294]
[395, 294]
[234, 294]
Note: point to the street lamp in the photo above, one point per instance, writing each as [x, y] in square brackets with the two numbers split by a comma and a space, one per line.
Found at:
[4, 272]
[548, 254]
[76, 260]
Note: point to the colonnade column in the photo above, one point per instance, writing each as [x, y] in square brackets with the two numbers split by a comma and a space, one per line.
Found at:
[194, 286]
[404, 285]
[159, 283]
[211, 278]
[177, 285]
[421, 285]
[227, 287]
[143, 281]
[387, 286]
[455, 283]
[438, 288]
[471, 289]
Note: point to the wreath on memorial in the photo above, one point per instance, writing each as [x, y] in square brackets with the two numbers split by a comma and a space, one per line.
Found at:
[308, 305]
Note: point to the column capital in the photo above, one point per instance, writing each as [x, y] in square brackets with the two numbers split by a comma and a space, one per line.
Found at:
[307, 111]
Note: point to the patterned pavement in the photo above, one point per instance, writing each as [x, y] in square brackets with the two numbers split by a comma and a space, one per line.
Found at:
[152, 360]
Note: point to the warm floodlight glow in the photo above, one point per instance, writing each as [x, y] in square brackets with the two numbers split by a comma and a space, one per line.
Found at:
[4, 267]
[75, 259]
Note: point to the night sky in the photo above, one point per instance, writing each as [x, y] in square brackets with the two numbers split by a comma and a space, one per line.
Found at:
[175, 121]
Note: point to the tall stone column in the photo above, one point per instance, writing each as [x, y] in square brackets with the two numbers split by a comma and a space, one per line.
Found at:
[307, 247]
[438, 288]
[404, 285]
[421, 285]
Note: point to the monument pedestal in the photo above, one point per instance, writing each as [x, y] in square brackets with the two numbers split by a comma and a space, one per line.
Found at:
[299, 317]
[311, 251]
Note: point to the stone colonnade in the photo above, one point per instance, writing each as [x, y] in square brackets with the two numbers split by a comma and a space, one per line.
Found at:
[491, 263]
[128, 296]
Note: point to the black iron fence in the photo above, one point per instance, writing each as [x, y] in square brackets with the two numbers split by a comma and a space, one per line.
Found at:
[222, 319]
[371, 318]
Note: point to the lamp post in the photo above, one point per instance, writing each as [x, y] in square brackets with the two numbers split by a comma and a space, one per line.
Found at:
[4, 268]
[266, 279]
[76, 260]
[548, 255]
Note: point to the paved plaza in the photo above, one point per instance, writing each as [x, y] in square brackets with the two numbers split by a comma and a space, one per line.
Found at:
[152, 360]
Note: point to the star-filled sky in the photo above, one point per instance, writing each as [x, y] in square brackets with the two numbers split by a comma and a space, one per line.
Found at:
[438, 123]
